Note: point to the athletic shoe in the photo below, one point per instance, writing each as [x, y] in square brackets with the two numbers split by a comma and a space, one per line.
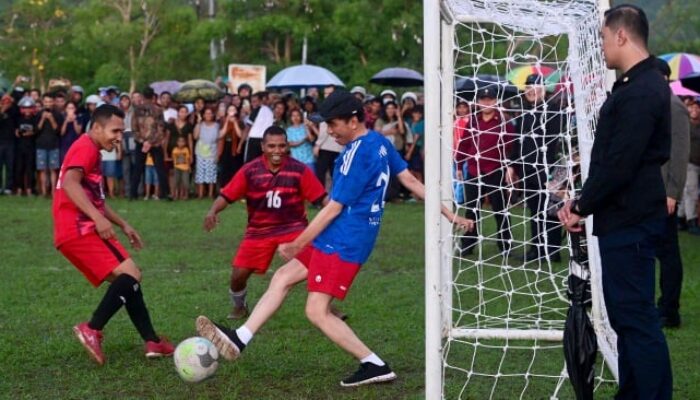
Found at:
[226, 340]
[671, 322]
[159, 349]
[238, 312]
[91, 339]
[369, 373]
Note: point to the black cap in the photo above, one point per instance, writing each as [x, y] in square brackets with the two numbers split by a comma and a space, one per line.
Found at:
[534, 79]
[488, 91]
[338, 104]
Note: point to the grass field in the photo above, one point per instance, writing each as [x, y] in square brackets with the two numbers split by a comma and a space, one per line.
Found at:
[186, 273]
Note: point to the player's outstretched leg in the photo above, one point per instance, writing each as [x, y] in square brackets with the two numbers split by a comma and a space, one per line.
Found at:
[372, 368]
[231, 343]
[238, 291]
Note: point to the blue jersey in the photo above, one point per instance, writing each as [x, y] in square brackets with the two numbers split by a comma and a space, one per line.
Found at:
[360, 179]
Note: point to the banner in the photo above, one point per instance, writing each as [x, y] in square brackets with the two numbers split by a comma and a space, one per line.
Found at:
[254, 75]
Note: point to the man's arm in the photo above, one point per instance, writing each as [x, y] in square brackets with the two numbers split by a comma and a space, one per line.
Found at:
[212, 217]
[676, 167]
[418, 189]
[71, 186]
[317, 225]
[134, 237]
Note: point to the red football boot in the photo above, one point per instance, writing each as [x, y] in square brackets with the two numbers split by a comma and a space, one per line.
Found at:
[91, 339]
[159, 349]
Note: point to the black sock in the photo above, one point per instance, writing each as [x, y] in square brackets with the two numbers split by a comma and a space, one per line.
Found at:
[112, 301]
[125, 290]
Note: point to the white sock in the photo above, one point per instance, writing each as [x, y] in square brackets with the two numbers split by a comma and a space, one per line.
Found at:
[244, 334]
[373, 359]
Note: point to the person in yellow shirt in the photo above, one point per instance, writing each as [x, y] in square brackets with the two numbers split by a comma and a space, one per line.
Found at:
[182, 159]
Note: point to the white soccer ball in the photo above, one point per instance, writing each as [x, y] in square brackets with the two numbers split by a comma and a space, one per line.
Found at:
[196, 359]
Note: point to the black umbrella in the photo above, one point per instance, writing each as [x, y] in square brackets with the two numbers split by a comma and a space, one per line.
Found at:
[398, 77]
[467, 87]
[692, 82]
[580, 345]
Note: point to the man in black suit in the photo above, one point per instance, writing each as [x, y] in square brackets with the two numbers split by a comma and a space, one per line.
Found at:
[625, 194]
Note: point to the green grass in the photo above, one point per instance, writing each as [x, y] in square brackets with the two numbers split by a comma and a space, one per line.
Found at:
[186, 273]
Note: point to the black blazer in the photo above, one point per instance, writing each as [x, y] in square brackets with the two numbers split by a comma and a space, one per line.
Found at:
[633, 140]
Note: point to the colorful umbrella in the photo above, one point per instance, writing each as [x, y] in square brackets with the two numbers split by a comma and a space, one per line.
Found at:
[682, 64]
[678, 89]
[517, 76]
[691, 82]
[196, 88]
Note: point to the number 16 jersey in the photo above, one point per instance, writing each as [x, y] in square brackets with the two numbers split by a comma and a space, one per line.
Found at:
[275, 201]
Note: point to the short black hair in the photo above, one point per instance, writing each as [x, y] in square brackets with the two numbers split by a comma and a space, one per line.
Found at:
[166, 92]
[418, 109]
[47, 94]
[149, 93]
[274, 130]
[630, 17]
[104, 113]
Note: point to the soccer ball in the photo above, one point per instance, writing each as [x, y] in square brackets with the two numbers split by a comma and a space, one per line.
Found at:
[196, 359]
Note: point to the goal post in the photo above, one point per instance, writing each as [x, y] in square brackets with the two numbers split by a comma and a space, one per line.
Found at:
[487, 308]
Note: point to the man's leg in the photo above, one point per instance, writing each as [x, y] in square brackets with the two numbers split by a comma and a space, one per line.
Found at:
[238, 290]
[472, 199]
[690, 194]
[670, 274]
[159, 162]
[230, 343]
[137, 171]
[499, 202]
[628, 288]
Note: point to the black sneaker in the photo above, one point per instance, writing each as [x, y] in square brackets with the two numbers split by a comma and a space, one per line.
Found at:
[226, 340]
[369, 373]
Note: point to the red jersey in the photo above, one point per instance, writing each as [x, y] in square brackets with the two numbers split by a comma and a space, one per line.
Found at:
[491, 140]
[275, 201]
[69, 222]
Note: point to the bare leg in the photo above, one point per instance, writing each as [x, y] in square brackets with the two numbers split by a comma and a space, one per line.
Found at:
[282, 282]
[319, 313]
[42, 182]
[200, 190]
[54, 177]
[239, 278]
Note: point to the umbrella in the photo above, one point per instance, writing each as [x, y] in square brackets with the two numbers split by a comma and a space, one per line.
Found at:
[303, 76]
[682, 64]
[196, 88]
[517, 76]
[691, 82]
[166, 86]
[467, 87]
[398, 77]
[678, 89]
[580, 346]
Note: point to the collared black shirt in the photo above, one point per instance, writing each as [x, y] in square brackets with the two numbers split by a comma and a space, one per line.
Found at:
[633, 139]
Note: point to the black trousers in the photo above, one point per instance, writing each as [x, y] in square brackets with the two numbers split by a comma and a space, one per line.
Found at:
[229, 164]
[491, 186]
[325, 164]
[253, 149]
[628, 268]
[139, 164]
[671, 271]
[545, 231]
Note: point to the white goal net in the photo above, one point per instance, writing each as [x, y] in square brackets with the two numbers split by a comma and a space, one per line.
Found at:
[512, 93]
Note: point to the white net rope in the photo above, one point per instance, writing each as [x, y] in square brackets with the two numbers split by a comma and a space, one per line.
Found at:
[508, 288]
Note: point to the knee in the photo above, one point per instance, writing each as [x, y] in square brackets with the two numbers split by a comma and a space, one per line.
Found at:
[128, 267]
[315, 314]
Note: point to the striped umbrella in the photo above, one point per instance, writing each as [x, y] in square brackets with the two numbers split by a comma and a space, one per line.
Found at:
[682, 64]
[517, 76]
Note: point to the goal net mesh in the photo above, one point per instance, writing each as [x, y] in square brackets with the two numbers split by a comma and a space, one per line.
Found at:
[528, 78]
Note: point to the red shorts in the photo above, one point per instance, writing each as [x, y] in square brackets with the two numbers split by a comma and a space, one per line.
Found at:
[257, 254]
[327, 272]
[96, 258]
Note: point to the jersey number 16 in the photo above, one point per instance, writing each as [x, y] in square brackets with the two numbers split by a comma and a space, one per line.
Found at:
[273, 199]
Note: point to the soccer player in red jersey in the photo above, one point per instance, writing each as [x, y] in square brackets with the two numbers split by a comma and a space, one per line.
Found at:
[275, 187]
[83, 233]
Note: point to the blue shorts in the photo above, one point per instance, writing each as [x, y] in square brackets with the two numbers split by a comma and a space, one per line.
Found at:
[112, 169]
[47, 159]
[151, 175]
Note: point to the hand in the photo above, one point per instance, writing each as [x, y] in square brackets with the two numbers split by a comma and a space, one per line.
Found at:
[146, 147]
[460, 175]
[670, 205]
[316, 150]
[104, 228]
[465, 224]
[288, 250]
[210, 221]
[134, 238]
[511, 176]
[569, 219]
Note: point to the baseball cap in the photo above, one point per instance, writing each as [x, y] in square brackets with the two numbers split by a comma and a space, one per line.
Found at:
[488, 91]
[534, 79]
[387, 92]
[77, 88]
[360, 90]
[93, 99]
[338, 104]
[26, 102]
[409, 95]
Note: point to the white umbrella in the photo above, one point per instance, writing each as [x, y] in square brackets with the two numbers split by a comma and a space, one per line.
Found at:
[303, 76]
